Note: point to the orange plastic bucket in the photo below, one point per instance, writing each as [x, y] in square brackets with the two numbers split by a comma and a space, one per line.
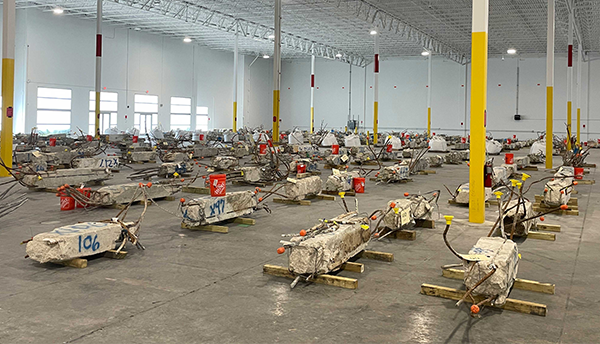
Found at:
[301, 167]
[359, 185]
[509, 158]
[67, 203]
[335, 149]
[262, 149]
[578, 172]
[135, 139]
[217, 185]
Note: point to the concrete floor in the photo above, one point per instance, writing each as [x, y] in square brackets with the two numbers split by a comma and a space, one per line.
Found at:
[189, 287]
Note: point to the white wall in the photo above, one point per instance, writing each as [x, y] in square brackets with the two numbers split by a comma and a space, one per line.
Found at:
[59, 51]
[403, 95]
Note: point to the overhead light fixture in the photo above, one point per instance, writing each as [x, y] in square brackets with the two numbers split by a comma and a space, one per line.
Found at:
[58, 10]
[373, 32]
[511, 51]
[266, 56]
[187, 40]
[137, 29]
[338, 55]
[271, 36]
[425, 53]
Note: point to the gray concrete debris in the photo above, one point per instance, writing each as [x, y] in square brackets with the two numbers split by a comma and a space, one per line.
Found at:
[124, 193]
[207, 210]
[400, 217]
[223, 162]
[522, 161]
[394, 173]
[97, 162]
[337, 159]
[420, 165]
[501, 253]
[142, 156]
[54, 179]
[176, 157]
[328, 249]
[341, 181]
[168, 169]
[201, 151]
[525, 210]
[559, 192]
[537, 158]
[462, 196]
[436, 161]
[461, 146]
[251, 174]
[74, 241]
[500, 175]
[297, 189]
[453, 158]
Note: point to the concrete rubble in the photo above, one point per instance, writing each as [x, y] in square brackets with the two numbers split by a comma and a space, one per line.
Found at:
[124, 193]
[168, 169]
[462, 195]
[327, 246]
[97, 162]
[394, 173]
[208, 210]
[436, 161]
[142, 156]
[340, 181]
[522, 161]
[54, 179]
[558, 191]
[202, 151]
[74, 241]
[298, 189]
[524, 210]
[175, 157]
[251, 174]
[223, 162]
[498, 252]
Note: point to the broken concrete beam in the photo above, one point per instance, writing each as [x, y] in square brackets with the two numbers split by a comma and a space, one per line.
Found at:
[462, 196]
[223, 162]
[436, 161]
[522, 161]
[175, 157]
[328, 249]
[558, 192]
[393, 173]
[297, 189]
[400, 217]
[74, 241]
[525, 210]
[501, 253]
[340, 181]
[168, 169]
[208, 210]
[204, 152]
[97, 162]
[54, 179]
[143, 156]
[124, 193]
[250, 174]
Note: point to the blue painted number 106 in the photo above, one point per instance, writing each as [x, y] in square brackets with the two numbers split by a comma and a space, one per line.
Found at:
[89, 243]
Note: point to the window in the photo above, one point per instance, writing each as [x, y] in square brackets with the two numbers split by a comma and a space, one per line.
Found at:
[202, 118]
[53, 110]
[146, 112]
[108, 111]
[181, 113]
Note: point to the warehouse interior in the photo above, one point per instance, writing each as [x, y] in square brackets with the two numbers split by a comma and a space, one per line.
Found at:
[253, 171]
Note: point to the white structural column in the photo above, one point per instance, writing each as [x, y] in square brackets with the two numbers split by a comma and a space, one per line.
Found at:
[98, 84]
[479, 60]
[429, 94]
[235, 83]
[8, 83]
[579, 70]
[376, 89]
[570, 82]
[276, 70]
[550, 84]
[312, 94]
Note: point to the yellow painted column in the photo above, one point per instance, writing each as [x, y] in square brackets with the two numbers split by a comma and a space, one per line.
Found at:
[376, 89]
[550, 84]
[8, 83]
[235, 117]
[579, 70]
[479, 57]
[276, 70]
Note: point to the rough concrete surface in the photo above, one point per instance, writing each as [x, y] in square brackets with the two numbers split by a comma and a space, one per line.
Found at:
[202, 287]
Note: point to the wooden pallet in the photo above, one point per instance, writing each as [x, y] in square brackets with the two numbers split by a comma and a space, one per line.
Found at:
[511, 304]
[337, 167]
[527, 168]
[335, 193]
[217, 228]
[548, 228]
[334, 280]
[148, 202]
[422, 223]
[322, 197]
[82, 263]
[521, 284]
[573, 201]
[196, 190]
[586, 181]
[291, 202]
[540, 207]
[589, 165]
[453, 202]
[426, 172]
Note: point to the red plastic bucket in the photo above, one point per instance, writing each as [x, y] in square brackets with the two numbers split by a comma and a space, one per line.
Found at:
[514, 136]
[509, 158]
[301, 167]
[335, 149]
[463, 140]
[90, 138]
[53, 142]
[67, 203]
[201, 137]
[262, 149]
[578, 172]
[135, 139]
[359, 185]
[217, 185]
[388, 148]
[509, 141]
[86, 192]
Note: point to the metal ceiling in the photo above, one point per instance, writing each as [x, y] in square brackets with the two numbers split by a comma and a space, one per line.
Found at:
[340, 29]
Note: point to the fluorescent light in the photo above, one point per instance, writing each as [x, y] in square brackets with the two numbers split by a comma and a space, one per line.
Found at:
[511, 51]
[373, 32]
[137, 29]
[58, 10]
[187, 40]
[266, 56]
[338, 55]
[425, 53]
[271, 36]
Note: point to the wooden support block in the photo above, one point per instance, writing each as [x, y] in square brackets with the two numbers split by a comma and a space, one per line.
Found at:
[529, 168]
[453, 202]
[336, 193]
[589, 165]
[322, 197]
[114, 255]
[405, 234]
[196, 190]
[208, 228]
[244, 221]
[510, 305]
[78, 263]
[586, 182]
[573, 201]
[542, 236]
[373, 179]
[422, 223]
[382, 256]
[353, 267]
[548, 228]
[291, 202]
[539, 208]
[430, 171]
[522, 284]
[170, 198]
[337, 281]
